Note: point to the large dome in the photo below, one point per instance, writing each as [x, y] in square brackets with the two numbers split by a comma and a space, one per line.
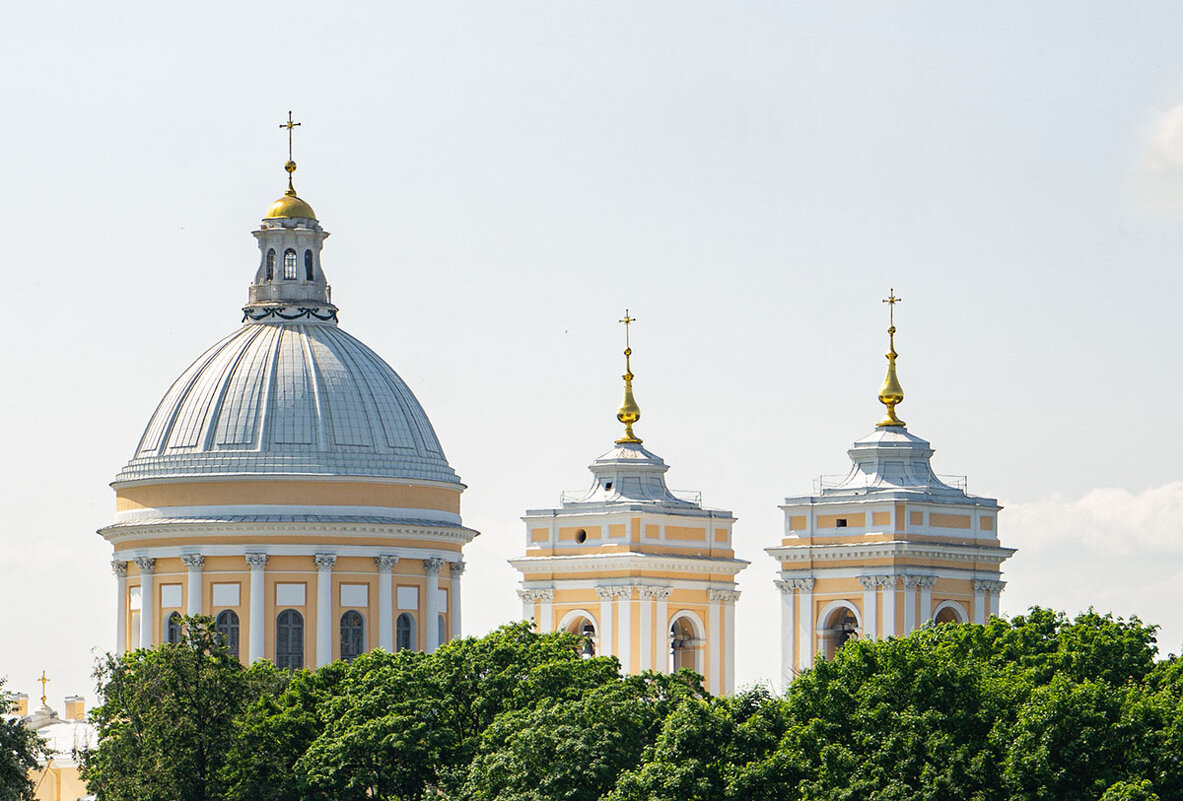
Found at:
[284, 398]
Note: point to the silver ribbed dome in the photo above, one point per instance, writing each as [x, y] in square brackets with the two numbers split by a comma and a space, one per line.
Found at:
[289, 398]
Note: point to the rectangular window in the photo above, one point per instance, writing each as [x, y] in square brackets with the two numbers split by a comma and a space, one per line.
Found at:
[170, 596]
[289, 594]
[408, 597]
[136, 603]
[355, 595]
[226, 595]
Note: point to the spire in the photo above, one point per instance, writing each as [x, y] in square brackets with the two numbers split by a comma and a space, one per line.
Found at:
[629, 411]
[891, 393]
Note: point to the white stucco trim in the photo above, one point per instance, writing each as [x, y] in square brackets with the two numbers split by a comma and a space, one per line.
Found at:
[958, 609]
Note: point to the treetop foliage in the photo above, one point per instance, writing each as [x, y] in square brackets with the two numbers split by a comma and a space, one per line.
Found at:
[1037, 707]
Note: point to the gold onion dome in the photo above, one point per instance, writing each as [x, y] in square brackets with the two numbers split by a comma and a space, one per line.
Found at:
[891, 393]
[629, 412]
[290, 205]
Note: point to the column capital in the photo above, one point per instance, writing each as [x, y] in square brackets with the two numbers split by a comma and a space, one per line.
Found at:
[545, 595]
[457, 568]
[911, 582]
[325, 561]
[119, 568]
[802, 584]
[656, 592]
[194, 561]
[257, 561]
[925, 582]
[725, 596]
[785, 587]
[433, 564]
[869, 582]
[988, 585]
[146, 564]
[888, 582]
[615, 591]
[385, 562]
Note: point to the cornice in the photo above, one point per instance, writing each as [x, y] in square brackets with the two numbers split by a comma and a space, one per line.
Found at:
[125, 533]
[628, 561]
[882, 550]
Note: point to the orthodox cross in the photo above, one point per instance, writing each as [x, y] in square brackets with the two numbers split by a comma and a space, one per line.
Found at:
[891, 300]
[44, 680]
[627, 322]
[290, 126]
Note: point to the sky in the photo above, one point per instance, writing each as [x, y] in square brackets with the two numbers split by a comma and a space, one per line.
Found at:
[502, 180]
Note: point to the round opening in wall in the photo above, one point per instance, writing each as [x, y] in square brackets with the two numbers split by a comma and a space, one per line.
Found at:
[581, 536]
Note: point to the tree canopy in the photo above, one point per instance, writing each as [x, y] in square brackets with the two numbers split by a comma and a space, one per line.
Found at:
[20, 748]
[1037, 707]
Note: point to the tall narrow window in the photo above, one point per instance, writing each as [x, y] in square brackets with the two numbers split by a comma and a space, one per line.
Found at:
[443, 629]
[227, 625]
[289, 640]
[289, 265]
[308, 265]
[271, 264]
[173, 632]
[353, 635]
[405, 637]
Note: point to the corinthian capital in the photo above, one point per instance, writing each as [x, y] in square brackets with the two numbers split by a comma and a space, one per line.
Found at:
[146, 564]
[193, 561]
[385, 562]
[433, 565]
[655, 592]
[119, 568]
[723, 596]
[325, 561]
[257, 561]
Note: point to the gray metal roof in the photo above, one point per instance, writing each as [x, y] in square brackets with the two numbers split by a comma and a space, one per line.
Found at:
[289, 398]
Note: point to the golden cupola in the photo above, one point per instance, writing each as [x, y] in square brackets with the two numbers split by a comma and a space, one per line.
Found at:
[629, 412]
[290, 206]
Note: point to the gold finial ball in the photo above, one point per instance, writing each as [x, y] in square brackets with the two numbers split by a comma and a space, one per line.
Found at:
[290, 167]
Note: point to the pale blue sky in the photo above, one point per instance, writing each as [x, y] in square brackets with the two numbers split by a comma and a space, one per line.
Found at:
[501, 180]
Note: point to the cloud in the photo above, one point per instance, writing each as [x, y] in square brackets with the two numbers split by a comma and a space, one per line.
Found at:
[1108, 521]
[1112, 549]
[1164, 148]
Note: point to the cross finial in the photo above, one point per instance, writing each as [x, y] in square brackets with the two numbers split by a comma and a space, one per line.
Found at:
[291, 165]
[891, 300]
[44, 680]
[627, 320]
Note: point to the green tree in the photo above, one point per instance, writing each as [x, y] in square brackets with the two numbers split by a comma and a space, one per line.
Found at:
[574, 749]
[20, 749]
[165, 721]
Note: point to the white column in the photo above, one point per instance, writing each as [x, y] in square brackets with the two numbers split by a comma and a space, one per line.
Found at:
[647, 596]
[455, 570]
[624, 610]
[386, 563]
[604, 647]
[910, 583]
[546, 614]
[805, 621]
[714, 644]
[995, 596]
[661, 659]
[979, 586]
[926, 583]
[729, 642]
[324, 607]
[528, 598]
[120, 570]
[193, 561]
[255, 623]
[787, 640]
[432, 622]
[870, 605]
[888, 584]
[147, 601]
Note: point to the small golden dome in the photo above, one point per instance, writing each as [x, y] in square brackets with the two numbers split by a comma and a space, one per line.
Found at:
[290, 206]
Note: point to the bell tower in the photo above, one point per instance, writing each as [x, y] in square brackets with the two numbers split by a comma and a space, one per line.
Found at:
[645, 574]
[887, 548]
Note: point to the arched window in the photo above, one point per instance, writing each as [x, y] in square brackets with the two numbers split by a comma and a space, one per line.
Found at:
[353, 635]
[682, 645]
[308, 265]
[173, 630]
[289, 640]
[405, 637]
[271, 264]
[443, 629]
[227, 625]
[841, 626]
[579, 624]
[289, 265]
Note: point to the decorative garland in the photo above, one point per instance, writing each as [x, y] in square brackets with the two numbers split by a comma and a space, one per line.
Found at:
[275, 311]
